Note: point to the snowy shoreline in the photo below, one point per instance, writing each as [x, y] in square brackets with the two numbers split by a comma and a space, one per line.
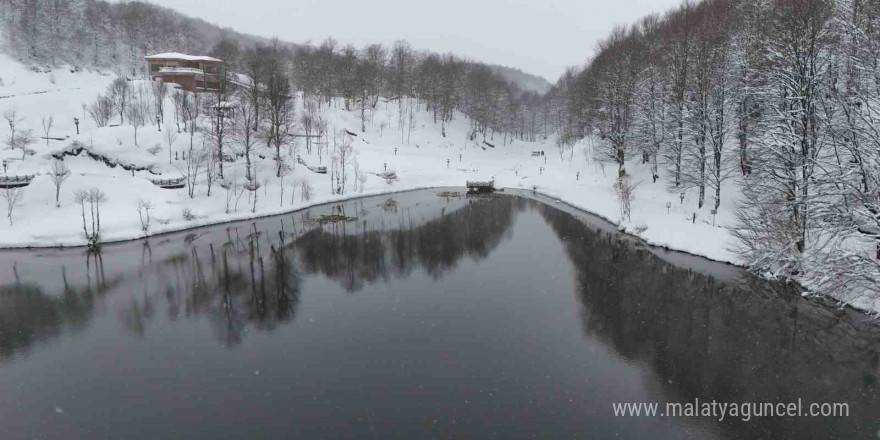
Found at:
[121, 237]
[533, 194]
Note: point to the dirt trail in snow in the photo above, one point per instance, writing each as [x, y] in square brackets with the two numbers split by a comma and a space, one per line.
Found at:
[42, 92]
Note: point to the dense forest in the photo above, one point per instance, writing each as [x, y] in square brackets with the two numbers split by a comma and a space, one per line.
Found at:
[773, 99]
[89, 33]
[778, 96]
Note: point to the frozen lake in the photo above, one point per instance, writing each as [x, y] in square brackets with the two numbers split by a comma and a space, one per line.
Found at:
[417, 315]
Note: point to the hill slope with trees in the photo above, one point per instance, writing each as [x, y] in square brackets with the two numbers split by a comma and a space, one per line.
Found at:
[778, 97]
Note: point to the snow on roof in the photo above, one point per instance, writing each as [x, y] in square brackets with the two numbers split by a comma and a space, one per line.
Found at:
[180, 56]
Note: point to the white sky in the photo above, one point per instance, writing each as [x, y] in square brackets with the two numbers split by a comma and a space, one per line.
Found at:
[541, 37]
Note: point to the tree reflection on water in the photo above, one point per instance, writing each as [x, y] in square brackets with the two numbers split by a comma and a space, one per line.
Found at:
[744, 340]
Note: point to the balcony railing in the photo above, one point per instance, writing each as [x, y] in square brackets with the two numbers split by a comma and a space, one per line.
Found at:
[189, 70]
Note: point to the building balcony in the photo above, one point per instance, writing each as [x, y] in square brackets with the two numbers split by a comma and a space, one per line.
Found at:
[180, 71]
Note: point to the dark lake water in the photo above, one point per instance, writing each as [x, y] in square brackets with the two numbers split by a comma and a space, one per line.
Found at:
[421, 317]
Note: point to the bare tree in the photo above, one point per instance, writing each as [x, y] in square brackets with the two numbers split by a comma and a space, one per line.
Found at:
[13, 198]
[101, 110]
[401, 66]
[255, 65]
[14, 121]
[308, 121]
[170, 137]
[138, 112]
[144, 208]
[305, 190]
[720, 99]
[252, 186]
[191, 103]
[219, 101]
[91, 216]
[194, 160]
[18, 138]
[375, 58]
[47, 126]
[651, 118]
[119, 93]
[679, 46]
[243, 132]
[320, 131]
[342, 162]
[285, 170]
[231, 187]
[218, 132]
[411, 124]
[160, 92]
[617, 66]
[625, 188]
[279, 104]
[24, 139]
[211, 160]
[180, 100]
[788, 215]
[58, 173]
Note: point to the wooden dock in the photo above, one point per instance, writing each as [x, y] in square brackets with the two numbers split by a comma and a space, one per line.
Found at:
[475, 186]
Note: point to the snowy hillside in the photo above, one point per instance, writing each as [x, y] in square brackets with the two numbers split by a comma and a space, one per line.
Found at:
[421, 162]
[426, 159]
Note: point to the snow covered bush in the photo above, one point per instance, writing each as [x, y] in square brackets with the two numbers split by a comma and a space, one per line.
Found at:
[188, 215]
[390, 176]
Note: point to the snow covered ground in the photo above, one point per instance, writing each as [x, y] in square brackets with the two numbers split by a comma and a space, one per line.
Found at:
[427, 160]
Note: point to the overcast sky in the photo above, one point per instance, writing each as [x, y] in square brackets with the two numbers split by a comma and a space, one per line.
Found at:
[542, 37]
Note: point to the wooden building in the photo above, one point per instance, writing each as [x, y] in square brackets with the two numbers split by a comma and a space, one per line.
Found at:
[193, 73]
